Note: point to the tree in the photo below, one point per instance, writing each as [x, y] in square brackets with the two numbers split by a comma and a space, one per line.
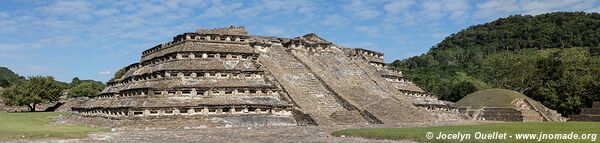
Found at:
[86, 89]
[4, 83]
[8, 77]
[76, 81]
[31, 92]
[119, 73]
[553, 58]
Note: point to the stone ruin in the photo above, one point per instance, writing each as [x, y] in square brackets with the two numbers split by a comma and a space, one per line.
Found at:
[527, 110]
[518, 107]
[228, 74]
[588, 114]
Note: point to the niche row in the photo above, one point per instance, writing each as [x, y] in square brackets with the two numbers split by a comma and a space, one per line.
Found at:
[193, 92]
[254, 75]
[196, 37]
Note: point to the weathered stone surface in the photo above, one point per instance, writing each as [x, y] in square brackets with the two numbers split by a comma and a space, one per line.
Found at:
[505, 105]
[588, 114]
[227, 72]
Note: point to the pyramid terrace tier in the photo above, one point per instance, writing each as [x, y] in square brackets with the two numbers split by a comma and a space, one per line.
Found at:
[185, 110]
[199, 43]
[405, 85]
[201, 55]
[194, 64]
[176, 82]
[255, 75]
[391, 74]
[191, 91]
[372, 57]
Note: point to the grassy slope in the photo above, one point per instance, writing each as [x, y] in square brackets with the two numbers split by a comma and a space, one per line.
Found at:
[418, 134]
[490, 98]
[34, 125]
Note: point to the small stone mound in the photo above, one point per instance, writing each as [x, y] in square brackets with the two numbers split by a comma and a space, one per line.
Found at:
[505, 105]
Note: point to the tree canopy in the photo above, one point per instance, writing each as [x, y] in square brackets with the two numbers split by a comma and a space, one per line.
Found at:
[85, 88]
[553, 58]
[119, 74]
[33, 91]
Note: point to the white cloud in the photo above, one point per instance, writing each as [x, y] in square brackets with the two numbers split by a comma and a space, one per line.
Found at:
[493, 9]
[274, 31]
[123, 28]
[335, 20]
[39, 69]
[540, 7]
[410, 13]
[398, 6]
[104, 72]
[70, 9]
[369, 30]
[363, 10]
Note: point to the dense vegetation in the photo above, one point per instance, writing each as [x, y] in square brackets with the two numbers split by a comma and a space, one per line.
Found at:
[553, 58]
[85, 88]
[8, 77]
[33, 91]
[16, 90]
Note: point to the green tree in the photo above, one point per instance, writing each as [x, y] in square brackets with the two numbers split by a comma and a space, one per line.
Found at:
[119, 73]
[4, 83]
[86, 89]
[553, 58]
[31, 92]
[76, 81]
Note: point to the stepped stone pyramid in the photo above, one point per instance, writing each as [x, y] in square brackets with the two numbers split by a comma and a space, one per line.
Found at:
[588, 114]
[226, 72]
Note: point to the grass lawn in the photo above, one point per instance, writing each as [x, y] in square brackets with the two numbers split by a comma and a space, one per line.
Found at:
[34, 125]
[512, 130]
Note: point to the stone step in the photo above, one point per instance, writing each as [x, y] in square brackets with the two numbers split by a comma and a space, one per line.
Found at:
[306, 89]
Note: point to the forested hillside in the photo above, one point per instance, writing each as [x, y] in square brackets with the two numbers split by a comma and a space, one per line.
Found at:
[8, 77]
[553, 58]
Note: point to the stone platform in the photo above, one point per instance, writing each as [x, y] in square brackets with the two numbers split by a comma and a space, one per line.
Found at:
[588, 114]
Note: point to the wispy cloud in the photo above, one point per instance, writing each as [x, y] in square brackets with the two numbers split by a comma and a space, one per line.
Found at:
[111, 34]
[104, 72]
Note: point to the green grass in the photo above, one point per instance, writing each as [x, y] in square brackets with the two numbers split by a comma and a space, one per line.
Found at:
[34, 125]
[419, 134]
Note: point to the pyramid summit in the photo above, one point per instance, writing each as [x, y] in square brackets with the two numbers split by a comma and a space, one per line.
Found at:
[245, 79]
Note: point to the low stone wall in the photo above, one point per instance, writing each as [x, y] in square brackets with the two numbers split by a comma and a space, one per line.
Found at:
[183, 122]
[592, 111]
[588, 114]
[501, 114]
[2, 106]
[585, 118]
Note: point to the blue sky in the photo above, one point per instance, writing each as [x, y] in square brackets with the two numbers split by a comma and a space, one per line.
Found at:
[93, 39]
